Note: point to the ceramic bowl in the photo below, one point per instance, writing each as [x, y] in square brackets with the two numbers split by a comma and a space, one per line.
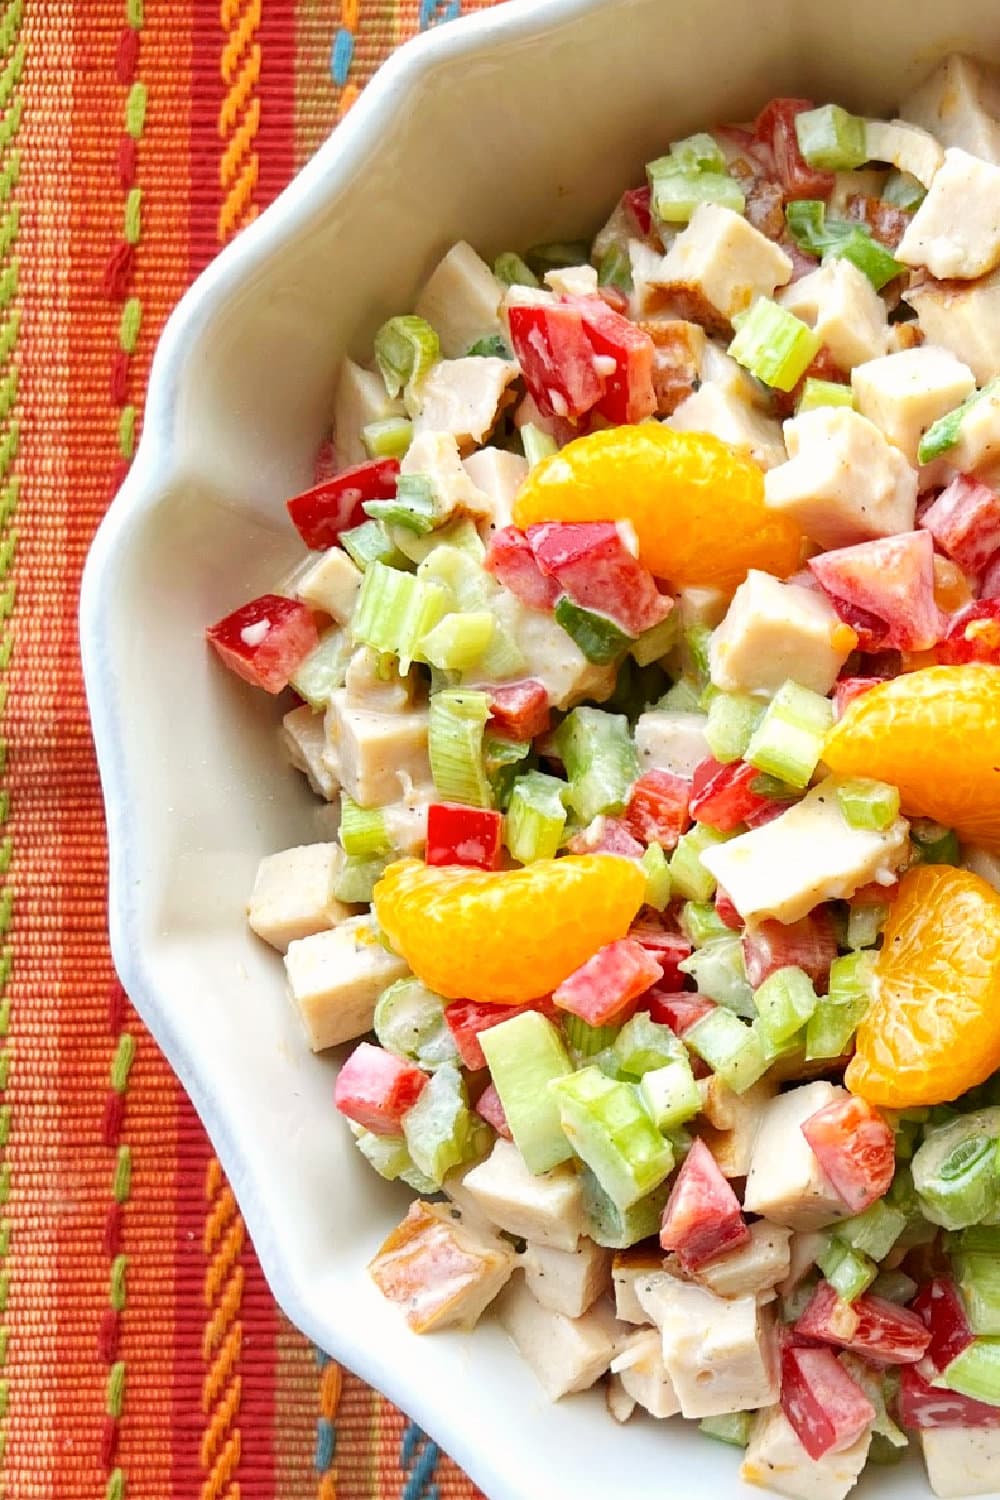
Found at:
[516, 125]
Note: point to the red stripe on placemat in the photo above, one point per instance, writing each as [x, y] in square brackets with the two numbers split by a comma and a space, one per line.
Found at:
[187, 1420]
[276, 133]
[206, 102]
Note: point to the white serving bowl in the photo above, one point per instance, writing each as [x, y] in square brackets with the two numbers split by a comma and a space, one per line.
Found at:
[516, 125]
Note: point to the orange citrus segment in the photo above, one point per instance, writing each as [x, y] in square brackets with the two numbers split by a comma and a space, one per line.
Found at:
[933, 1030]
[697, 507]
[510, 936]
[934, 733]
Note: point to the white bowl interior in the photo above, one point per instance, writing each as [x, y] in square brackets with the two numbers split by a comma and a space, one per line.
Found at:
[520, 125]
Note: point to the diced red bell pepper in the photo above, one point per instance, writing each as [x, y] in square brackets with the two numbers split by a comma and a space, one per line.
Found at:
[657, 812]
[989, 587]
[848, 688]
[723, 796]
[488, 1106]
[775, 128]
[375, 1089]
[556, 357]
[606, 836]
[510, 559]
[322, 513]
[266, 640]
[890, 581]
[939, 1304]
[668, 948]
[628, 393]
[703, 1218]
[973, 635]
[770, 809]
[964, 520]
[809, 944]
[922, 1405]
[467, 1019]
[604, 987]
[883, 1333]
[590, 562]
[638, 205]
[678, 1010]
[460, 835]
[726, 911]
[856, 1149]
[520, 710]
[828, 1410]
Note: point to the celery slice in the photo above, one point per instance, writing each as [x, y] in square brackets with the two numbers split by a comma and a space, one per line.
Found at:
[440, 1129]
[719, 972]
[324, 670]
[683, 697]
[954, 1171]
[701, 923]
[976, 1372]
[670, 1094]
[416, 506]
[700, 152]
[536, 817]
[395, 611]
[358, 878]
[391, 1159]
[654, 643]
[503, 761]
[773, 344]
[848, 1271]
[845, 1004]
[491, 346]
[785, 1002]
[788, 741]
[730, 1047]
[870, 257]
[405, 349]
[732, 1428]
[525, 1054]
[609, 1129]
[659, 885]
[584, 1039]
[823, 393]
[831, 139]
[555, 255]
[732, 719]
[370, 543]
[458, 641]
[812, 231]
[868, 804]
[904, 191]
[537, 444]
[873, 1232]
[676, 195]
[643, 1044]
[598, 637]
[388, 438]
[453, 564]
[409, 1021]
[978, 1277]
[864, 924]
[600, 759]
[455, 742]
[512, 271]
[687, 873]
[616, 1228]
[362, 829]
[615, 269]
[934, 844]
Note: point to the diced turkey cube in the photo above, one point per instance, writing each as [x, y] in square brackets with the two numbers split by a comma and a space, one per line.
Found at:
[978, 445]
[552, 656]
[572, 281]
[360, 398]
[547, 1208]
[628, 1268]
[461, 300]
[644, 1375]
[498, 475]
[750, 1269]
[304, 739]
[744, 428]
[807, 855]
[620, 1404]
[819, 487]
[293, 896]
[962, 318]
[436, 455]
[463, 397]
[960, 104]
[721, 257]
[646, 265]
[442, 1271]
[774, 631]
[962, 1461]
[370, 684]
[955, 232]
[721, 369]
[565, 1354]
[567, 1281]
[406, 820]
[669, 740]
[331, 584]
[733, 1121]
[375, 751]
[786, 1183]
[906, 146]
[863, 182]
[903, 394]
[335, 978]
[720, 1353]
[776, 1460]
[843, 308]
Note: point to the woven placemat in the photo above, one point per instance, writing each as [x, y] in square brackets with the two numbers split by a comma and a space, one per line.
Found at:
[141, 1352]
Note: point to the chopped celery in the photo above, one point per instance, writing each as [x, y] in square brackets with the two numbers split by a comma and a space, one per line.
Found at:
[616, 1228]
[719, 972]
[976, 1372]
[490, 347]
[607, 1060]
[654, 643]
[584, 1039]
[873, 1232]
[773, 344]
[454, 565]
[823, 393]
[848, 1271]
[362, 829]
[700, 152]
[609, 1129]
[324, 670]
[643, 1044]
[670, 1094]
[455, 744]
[903, 191]
[732, 1428]
[697, 641]
[458, 641]
[615, 269]
[831, 139]
[358, 878]
[845, 1004]
[864, 924]
[788, 741]
[524, 1055]
[978, 1277]
[933, 844]
[682, 697]
[676, 195]
[388, 438]
[659, 886]
[512, 271]
[370, 543]
[390, 1156]
[395, 611]
[536, 444]
[729, 1046]
[536, 817]
[701, 923]
[687, 873]
[409, 1021]
[600, 759]
[894, 1286]
[555, 255]
[785, 1002]
[954, 1171]
[503, 657]
[944, 433]
[503, 761]
[732, 719]
[597, 636]
[440, 1129]
[870, 257]
[795, 1302]
[977, 1239]
[405, 349]
[416, 506]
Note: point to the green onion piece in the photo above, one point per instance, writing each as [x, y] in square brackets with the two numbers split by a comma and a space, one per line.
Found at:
[806, 219]
[584, 1039]
[324, 670]
[944, 433]
[536, 444]
[831, 139]
[556, 255]
[688, 874]
[503, 762]
[823, 393]
[849, 1272]
[370, 543]
[676, 195]
[839, 1012]
[358, 878]
[954, 1171]
[670, 1094]
[894, 1286]
[600, 759]
[864, 925]
[524, 1055]
[788, 741]
[644, 1044]
[416, 506]
[730, 1047]
[870, 257]
[732, 1428]
[405, 349]
[812, 231]
[395, 611]
[512, 271]
[388, 438]
[409, 1021]
[701, 923]
[718, 971]
[976, 1372]
[653, 644]
[362, 829]
[903, 191]
[983, 1239]
[978, 1277]
[440, 1128]
[616, 1228]
[458, 641]
[873, 1232]
[615, 269]
[868, 804]
[659, 886]
[732, 719]
[609, 1129]
[490, 347]
[536, 817]
[598, 637]
[785, 1002]
[773, 344]
[455, 742]
[933, 844]
[683, 697]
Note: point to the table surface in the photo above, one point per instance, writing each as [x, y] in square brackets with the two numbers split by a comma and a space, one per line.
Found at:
[141, 1352]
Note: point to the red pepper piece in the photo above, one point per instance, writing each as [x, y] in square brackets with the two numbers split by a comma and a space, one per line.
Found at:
[873, 1327]
[657, 812]
[322, 513]
[680, 1010]
[702, 1219]
[638, 205]
[809, 944]
[510, 559]
[603, 988]
[591, 563]
[775, 129]
[827, 1409]
[520, 710]
[668, 948]
[723, 796]
[849, 688]
[628, 393]
[885, 590]
[964, 520]
[375, 1088]
[922, 1405]
[556, 357]
[460, 835]
[492, 1111]
[856, 1149]
[973, 635]
[266, 640]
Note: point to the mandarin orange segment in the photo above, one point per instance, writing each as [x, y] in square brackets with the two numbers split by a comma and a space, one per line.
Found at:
[510, 936]
[935, 734]
[697, 507]
[933, 1030]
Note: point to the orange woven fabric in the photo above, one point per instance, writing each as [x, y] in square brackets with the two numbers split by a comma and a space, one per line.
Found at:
[141, 1352]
